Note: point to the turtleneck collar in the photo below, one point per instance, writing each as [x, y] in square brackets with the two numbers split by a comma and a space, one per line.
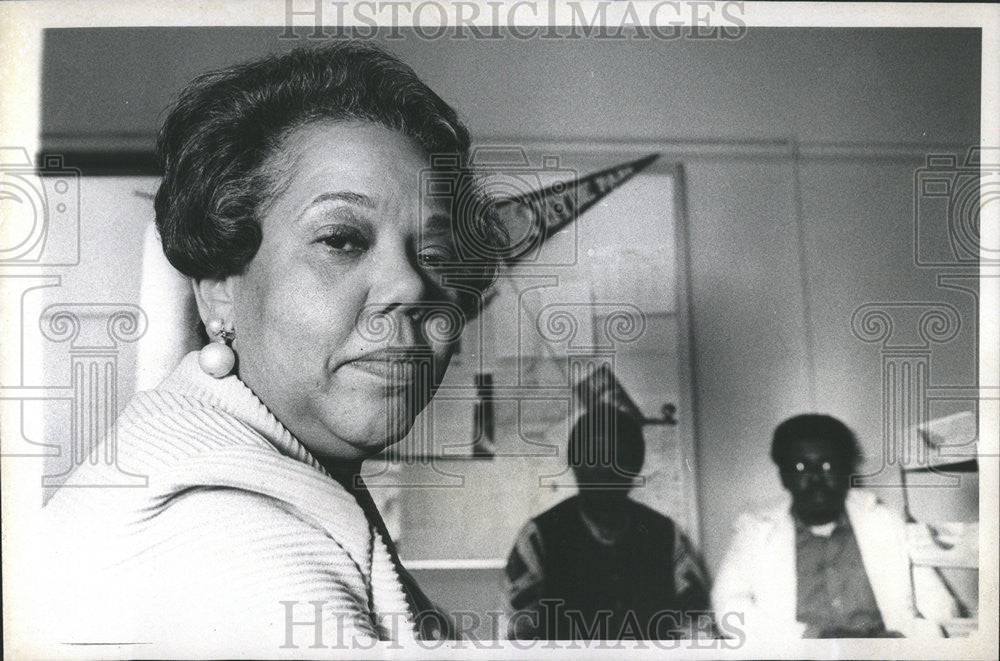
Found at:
[231, 395]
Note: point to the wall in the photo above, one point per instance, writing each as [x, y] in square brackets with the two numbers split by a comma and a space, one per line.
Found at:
[861, 86]
[799, 148]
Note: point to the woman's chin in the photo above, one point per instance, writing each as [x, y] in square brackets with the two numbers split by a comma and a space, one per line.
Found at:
[347, 451]
[357, 417]
[363, 439]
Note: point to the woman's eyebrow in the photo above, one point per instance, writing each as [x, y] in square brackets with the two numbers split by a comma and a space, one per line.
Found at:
[350, 197]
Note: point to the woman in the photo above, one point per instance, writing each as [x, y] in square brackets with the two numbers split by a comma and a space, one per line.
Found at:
[332, 293]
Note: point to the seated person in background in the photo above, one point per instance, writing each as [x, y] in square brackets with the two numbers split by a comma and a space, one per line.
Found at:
[831, 564]
[601, 566]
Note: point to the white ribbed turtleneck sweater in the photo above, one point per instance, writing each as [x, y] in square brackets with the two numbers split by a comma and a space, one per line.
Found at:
[239, 532]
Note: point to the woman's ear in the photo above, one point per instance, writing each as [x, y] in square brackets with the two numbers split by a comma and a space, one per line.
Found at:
[214, 298]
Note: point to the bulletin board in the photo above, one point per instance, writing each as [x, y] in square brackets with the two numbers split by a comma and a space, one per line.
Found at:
[610, 289]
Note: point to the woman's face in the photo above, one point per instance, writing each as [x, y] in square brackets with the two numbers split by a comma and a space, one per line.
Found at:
[334, 295]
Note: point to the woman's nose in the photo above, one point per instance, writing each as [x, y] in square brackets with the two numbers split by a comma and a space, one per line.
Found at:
[398, 283]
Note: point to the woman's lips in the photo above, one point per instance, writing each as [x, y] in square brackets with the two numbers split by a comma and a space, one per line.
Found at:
[386, 369]
[398, 367]
[393, 370]
[391, 377]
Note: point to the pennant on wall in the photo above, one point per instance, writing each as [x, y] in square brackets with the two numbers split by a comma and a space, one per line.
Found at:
[533, 217]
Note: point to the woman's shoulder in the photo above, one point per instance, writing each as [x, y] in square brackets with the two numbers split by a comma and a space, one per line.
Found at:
[154, 434]
[221, 559]
[186, 448]
[239, 524]
[215, 540]
[158, 428]
[182, 454]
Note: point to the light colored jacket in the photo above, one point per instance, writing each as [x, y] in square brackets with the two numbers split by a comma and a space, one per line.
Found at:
[238, 533]
[757, 577]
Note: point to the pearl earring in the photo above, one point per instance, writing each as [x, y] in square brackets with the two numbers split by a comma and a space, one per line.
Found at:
[216, 358]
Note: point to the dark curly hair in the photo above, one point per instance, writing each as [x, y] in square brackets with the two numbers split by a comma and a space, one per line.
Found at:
[216, 140]
[819, 427]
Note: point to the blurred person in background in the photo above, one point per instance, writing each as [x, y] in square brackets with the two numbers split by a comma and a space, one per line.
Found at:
[599, 565]
[828, 561]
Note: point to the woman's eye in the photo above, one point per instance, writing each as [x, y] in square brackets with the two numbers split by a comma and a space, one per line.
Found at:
[434, 258]
[800, 467]
[346, 240]
[827, 467]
